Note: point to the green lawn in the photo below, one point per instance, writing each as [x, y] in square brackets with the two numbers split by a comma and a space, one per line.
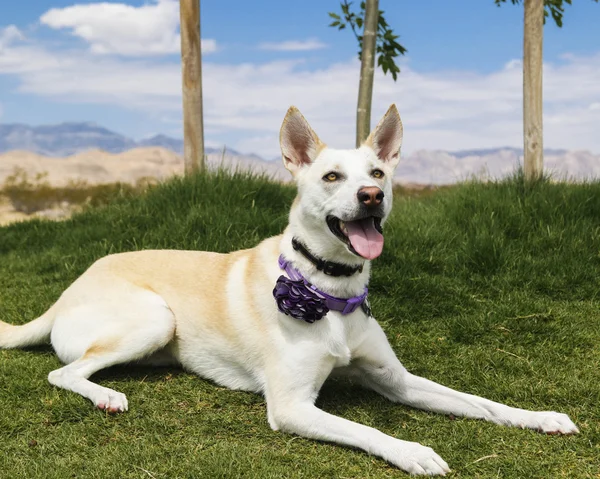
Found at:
[492, 289]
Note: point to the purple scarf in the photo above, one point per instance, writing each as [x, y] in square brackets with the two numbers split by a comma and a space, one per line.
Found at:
[300, 299]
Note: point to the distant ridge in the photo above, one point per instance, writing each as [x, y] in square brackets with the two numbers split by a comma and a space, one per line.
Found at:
[492, 151]
[62, 140]
[422, 166]
[96, 166]
[164, 141]
[66, 139]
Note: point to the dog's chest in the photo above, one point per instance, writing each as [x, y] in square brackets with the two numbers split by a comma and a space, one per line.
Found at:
[344, 335]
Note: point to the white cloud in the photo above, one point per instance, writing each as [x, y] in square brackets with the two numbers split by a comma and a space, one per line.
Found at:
[9, 35]
[118, 28]
[245, 103]
[294, 45]
[18, 57]
[440, 110]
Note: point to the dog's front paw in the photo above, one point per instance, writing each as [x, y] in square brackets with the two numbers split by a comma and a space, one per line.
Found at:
[110, 401]
[418, 460]
[552, 422]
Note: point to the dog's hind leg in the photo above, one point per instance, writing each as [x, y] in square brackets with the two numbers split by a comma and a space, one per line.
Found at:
[97, 335]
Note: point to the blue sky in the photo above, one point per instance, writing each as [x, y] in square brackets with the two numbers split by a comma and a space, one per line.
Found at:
[459, 87]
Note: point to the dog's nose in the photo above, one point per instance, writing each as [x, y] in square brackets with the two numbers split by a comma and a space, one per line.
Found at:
[370, 195]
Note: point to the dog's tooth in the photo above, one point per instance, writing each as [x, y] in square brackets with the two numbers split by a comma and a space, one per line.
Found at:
[343, 227]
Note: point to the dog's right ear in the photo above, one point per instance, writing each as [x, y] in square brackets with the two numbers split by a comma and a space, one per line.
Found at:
[300, 145]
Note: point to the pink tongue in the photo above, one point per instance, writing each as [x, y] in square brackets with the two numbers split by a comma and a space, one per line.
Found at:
[366, 240]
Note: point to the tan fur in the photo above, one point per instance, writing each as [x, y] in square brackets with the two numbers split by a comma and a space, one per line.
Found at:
[320, 146]
[254, 274]
[102, 347]
[174, 274]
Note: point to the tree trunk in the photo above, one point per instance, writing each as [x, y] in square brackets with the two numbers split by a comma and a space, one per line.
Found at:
[532, 89]
[191, 72]
[367, 69]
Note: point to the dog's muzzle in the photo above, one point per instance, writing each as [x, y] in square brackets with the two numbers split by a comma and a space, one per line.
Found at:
[363, 236]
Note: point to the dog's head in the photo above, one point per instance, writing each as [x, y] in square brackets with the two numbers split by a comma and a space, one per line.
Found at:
[344, 196]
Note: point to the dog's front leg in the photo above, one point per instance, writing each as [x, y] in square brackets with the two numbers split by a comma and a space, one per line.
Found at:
[291, 390]
[377, 367]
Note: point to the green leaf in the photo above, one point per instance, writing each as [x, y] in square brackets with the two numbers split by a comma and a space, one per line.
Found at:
[387, 48]
[552, 8]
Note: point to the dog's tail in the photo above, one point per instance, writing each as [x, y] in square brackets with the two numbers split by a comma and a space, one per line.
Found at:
[29, 334]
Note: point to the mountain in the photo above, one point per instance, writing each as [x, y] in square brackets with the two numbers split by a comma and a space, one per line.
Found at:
[68, 139]
[491, 151]
[434, 167]
[163, 141]
[423, 166]
[62, 140]
[140, 163]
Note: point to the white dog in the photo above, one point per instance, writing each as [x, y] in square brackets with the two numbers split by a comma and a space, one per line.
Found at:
[277, 319]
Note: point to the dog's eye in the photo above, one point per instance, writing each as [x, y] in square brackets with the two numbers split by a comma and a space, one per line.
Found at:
[377, 174]
[331, 176]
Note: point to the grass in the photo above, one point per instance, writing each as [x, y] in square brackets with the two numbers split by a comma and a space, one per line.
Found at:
[492, 289]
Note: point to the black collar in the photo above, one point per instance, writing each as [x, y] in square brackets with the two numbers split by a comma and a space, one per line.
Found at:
[328, 267]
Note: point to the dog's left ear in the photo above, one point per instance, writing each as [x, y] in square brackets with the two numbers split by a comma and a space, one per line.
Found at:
[386, 138]
[300, 145]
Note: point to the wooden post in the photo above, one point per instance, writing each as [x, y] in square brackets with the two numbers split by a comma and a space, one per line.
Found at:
[367, 70]
[191, 72]
[533, 150]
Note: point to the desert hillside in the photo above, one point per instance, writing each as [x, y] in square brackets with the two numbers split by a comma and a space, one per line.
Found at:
[425, 167]
[98, 166]
[94, 166]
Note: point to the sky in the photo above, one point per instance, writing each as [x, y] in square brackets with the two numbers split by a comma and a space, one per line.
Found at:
[117, 64]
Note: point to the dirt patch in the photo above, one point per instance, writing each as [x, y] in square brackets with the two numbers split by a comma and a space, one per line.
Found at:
[9, 215]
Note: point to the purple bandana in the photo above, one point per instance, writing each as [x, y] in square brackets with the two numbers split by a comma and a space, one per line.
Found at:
[300, 299]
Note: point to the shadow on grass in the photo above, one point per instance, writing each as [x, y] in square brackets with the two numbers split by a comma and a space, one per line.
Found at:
[139, 372]
[338, 396]
[38, 349]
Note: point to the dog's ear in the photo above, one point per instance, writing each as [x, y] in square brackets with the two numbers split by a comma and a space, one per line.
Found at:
[386, 138]
[300, 145]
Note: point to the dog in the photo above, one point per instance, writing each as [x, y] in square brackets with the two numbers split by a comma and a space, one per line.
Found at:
[277, 319]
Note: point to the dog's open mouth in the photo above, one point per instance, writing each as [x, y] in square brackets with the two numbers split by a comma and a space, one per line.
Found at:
[364, 237]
